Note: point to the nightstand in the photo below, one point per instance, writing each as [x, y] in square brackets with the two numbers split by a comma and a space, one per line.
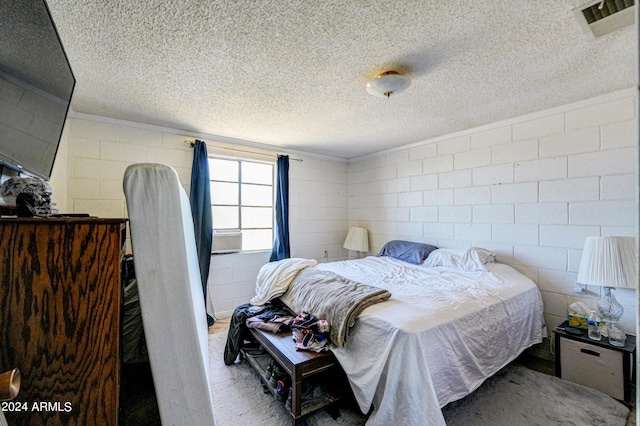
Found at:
[596, 364]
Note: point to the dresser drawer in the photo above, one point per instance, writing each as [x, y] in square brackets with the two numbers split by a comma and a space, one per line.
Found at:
[593, 366]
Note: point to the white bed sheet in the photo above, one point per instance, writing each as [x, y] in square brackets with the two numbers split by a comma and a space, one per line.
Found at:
[442, 333]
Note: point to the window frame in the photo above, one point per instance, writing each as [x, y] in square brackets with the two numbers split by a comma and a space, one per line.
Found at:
[240, 204]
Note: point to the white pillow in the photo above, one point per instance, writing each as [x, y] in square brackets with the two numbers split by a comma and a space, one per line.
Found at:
[469, 260]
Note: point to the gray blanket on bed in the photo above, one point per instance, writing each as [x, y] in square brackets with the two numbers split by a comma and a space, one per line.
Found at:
[333, 297]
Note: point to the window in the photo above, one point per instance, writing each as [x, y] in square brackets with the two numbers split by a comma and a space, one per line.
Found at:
[242, 198]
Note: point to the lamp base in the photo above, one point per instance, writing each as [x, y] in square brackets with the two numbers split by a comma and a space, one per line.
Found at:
[609, 308]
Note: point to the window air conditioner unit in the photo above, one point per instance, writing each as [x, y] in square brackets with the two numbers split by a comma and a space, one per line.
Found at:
[228, 241]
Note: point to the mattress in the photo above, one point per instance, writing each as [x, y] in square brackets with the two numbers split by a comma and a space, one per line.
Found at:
[440, 335]
[170, 293]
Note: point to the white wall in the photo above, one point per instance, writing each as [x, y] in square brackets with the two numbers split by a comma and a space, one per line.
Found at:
[96, 151]
[531, 189]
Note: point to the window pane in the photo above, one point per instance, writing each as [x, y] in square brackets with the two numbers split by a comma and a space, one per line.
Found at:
[257, 195]
[242, 196]
[257, 173]
[256, 239]
[224, 193]
[257, 217]
[225, 217]
[223, 169]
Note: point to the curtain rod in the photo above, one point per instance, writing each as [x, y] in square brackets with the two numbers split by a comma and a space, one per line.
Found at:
[192, 144]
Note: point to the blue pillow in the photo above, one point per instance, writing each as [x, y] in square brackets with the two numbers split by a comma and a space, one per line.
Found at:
[407, 251]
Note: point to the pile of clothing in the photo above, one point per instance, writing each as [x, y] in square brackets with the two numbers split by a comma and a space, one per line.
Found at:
[310, 333]
[272, 316]
[274, 321]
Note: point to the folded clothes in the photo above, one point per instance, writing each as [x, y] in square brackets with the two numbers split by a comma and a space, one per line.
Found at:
[275, 324]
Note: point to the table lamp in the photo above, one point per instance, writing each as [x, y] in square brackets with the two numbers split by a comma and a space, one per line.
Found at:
[609, 262]
[357, 239]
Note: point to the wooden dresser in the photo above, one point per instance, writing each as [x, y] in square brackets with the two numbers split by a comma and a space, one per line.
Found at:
[60, 292]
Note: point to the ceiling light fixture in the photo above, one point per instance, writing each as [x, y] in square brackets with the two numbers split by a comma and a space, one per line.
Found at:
[388, 83]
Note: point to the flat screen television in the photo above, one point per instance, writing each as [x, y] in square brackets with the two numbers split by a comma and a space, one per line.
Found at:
[36, 84]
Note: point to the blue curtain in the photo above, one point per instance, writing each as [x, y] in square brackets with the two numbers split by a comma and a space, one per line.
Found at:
[281, 244]
[200, 200]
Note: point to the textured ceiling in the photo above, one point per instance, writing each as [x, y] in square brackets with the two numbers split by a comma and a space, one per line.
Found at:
[293, 73]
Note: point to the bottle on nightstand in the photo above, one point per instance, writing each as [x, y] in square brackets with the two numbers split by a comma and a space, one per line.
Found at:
[594, 326]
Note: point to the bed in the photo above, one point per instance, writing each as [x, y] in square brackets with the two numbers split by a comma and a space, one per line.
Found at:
[446, 328]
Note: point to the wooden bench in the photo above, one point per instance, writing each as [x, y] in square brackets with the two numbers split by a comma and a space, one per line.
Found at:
[300, 365]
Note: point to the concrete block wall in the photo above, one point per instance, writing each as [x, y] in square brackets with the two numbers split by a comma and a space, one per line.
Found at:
[98, 152]
[531, 189]
[95, 152]
[318, 193]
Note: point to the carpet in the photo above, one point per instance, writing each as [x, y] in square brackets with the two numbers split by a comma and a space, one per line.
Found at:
[515, 395]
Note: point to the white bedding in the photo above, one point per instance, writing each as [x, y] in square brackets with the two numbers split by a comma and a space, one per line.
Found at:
[442, 333]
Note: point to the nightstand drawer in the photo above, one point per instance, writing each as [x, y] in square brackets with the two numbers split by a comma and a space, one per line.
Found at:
[593, 366]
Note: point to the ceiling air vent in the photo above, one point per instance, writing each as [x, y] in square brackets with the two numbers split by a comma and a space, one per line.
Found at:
[601, 17]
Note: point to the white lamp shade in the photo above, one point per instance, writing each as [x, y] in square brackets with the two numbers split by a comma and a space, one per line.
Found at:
[357, 239]
[388, 83]
[609, 262]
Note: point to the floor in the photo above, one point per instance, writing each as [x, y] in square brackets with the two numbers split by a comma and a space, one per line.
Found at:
[221, 324]
[139, 406]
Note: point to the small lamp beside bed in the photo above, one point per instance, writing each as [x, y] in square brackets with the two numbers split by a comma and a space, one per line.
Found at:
[609, 262]
[357, 240]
